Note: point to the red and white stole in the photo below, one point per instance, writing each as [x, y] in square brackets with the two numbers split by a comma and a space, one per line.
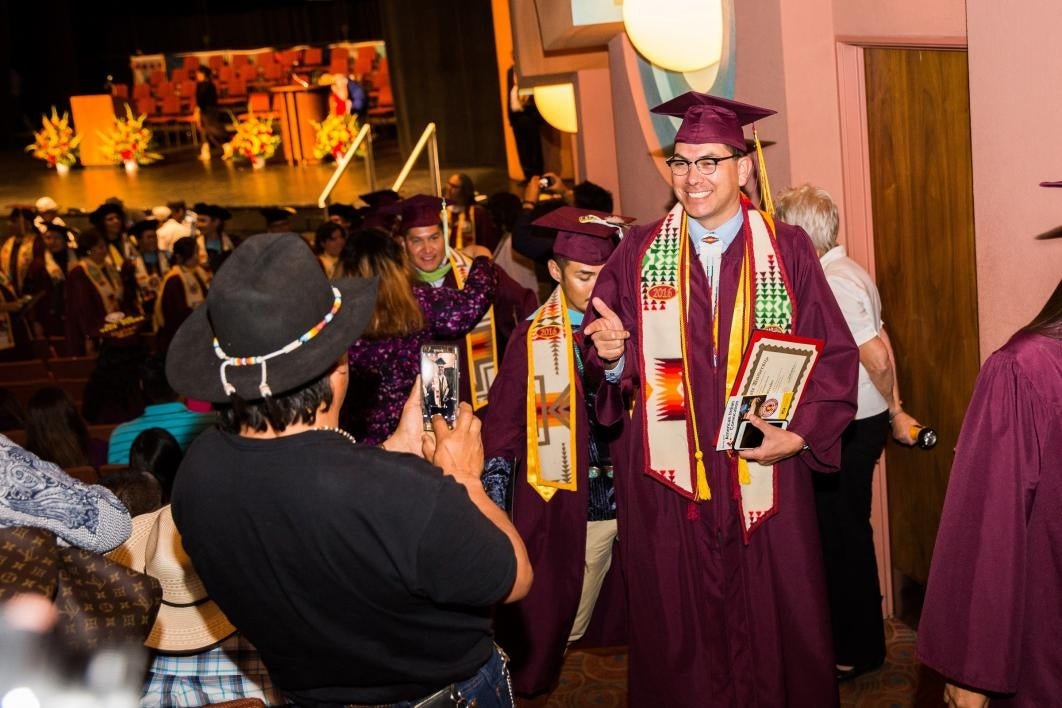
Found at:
[106, 281]
[480, 342]
[673, 446]
[552, 397]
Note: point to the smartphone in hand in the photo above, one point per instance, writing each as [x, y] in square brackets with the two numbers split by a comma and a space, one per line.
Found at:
[440, 375]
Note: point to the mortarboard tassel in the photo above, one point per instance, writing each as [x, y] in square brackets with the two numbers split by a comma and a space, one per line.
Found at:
[765, 184]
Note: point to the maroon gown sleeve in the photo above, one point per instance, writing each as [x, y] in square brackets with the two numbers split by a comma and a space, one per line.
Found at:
[451, 312]
[505, 425]
[973, 619]
[84, 311]
[486, 234]
[615, 287]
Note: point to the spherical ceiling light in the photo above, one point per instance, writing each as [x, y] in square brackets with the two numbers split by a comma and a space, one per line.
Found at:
[679, 35]
[556, 103]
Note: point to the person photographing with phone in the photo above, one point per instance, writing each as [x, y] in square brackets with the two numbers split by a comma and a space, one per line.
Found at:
[363, 575]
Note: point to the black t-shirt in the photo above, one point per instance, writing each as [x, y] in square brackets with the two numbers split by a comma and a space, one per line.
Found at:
[361, 576]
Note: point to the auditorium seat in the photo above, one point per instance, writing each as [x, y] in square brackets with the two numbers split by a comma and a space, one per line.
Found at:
[141, 91]
[32, 370]
[72, 367]
[84, 473]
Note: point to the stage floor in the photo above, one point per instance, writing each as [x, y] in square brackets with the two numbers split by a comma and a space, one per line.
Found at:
[182, 176]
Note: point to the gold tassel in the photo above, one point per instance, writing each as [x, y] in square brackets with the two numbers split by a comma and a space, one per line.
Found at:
[765, 184]
[743, 471]
[704, 492]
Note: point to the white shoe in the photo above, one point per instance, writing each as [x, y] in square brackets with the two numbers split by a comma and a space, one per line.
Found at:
[204, 152]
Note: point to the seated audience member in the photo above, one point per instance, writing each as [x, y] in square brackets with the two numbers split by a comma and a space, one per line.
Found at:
[991, 619]
[157, 452]
[94, 290]
[363, 575]
[568, 521]
[182, 290]
[47, 213]
[112, 394]
[328, 242]
[385, 360]
[56, 433]
[138, 491]
[198, 657]
[12, 415]
[468, 222]
[36, 493]
[437, 265]
[162, 409]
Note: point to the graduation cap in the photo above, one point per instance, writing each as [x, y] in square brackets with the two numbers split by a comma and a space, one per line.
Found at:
[25, 210]
[276, 215]
[140, 227]
[583, 235]
[418, 210]
[213, 211]
[380, 198]
[711, 119]
[103, 210]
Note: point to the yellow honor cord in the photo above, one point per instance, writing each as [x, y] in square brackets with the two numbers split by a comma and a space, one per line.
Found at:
[704, 492]
[765, 183]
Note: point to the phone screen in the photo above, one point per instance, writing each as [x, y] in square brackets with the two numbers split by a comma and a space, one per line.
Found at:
[749, 436]
[440, 373]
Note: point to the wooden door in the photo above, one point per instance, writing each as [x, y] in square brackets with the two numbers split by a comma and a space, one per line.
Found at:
[918, 129]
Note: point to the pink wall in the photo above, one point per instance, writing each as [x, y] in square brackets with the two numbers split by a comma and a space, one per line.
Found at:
[1015, 58]
[597, 144]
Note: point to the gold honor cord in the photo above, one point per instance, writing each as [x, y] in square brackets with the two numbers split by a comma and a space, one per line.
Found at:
[704, 492]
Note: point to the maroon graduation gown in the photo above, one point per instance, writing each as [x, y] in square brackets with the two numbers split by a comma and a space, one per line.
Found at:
[713, 621]
[992, 616]
[513, 303]
[534, 631]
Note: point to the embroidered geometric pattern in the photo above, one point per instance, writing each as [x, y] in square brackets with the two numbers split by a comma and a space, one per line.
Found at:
[773, 308]
[671, 403]
[660, 265]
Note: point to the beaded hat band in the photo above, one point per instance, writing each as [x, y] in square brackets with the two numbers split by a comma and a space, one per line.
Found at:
[260, 360]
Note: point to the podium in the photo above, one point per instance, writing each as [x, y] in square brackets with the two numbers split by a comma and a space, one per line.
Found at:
[91, 114]
[296, 107]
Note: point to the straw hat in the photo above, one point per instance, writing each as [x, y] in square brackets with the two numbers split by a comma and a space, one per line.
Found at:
[188, 621]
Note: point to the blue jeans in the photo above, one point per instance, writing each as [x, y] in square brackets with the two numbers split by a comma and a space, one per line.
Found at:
[489, 687]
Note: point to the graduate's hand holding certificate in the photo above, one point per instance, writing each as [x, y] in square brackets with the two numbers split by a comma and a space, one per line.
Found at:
[777, 443]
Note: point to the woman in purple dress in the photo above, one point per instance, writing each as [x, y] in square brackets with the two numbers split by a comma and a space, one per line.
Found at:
[385, 360]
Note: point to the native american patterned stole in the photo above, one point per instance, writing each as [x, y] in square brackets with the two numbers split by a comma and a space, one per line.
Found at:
[107, 283]
[552, 397]
[669, 414]
[480, 343]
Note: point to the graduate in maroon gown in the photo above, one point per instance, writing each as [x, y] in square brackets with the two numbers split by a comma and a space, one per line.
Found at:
[437, 265]
[563, 503]
[725, 584]
[992, 616]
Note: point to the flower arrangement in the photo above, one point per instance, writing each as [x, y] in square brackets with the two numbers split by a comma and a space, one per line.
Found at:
[335, 135]
[254, 138]
[128, 141]
[55, 143]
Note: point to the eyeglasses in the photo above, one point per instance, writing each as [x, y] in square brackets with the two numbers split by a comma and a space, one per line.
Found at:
[680, 167]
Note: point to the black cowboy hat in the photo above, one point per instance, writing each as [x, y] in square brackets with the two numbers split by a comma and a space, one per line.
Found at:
[267, 297]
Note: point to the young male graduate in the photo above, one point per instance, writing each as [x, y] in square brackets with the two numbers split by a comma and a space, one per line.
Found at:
[724, 574]
[542, 440]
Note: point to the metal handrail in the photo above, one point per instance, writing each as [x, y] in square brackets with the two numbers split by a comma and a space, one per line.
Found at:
[428, 137]
[364, 135]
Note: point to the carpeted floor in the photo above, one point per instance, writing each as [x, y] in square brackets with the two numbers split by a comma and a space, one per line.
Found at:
[599, 678]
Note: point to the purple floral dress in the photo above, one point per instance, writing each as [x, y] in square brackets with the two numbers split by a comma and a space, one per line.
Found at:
[382, 371]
